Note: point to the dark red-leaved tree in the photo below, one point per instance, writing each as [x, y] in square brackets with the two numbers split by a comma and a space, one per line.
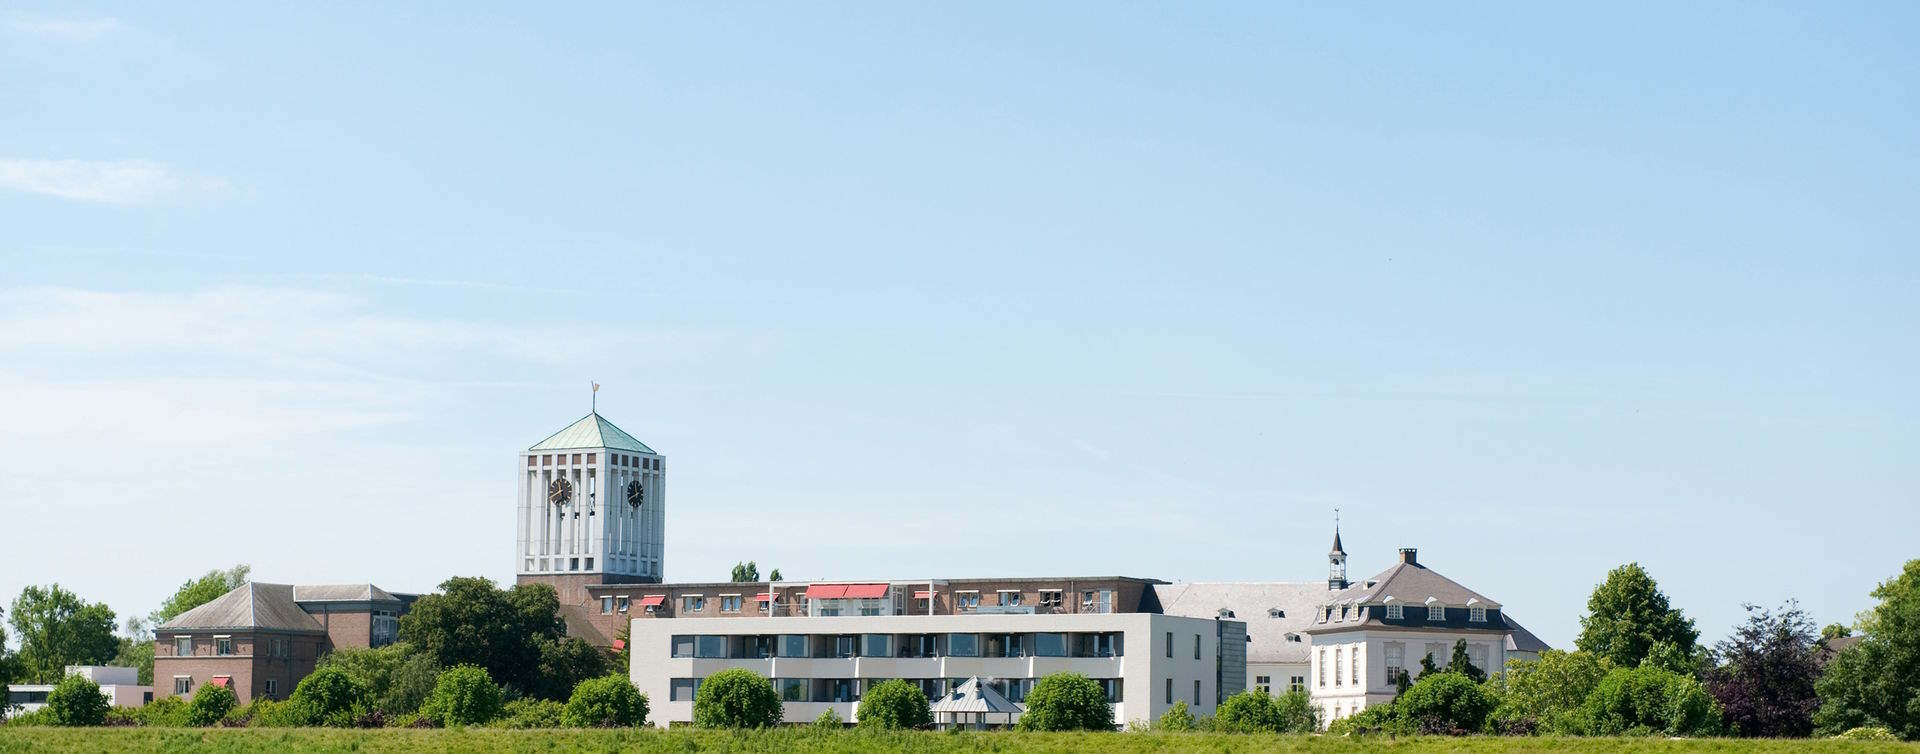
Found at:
[1765, 675]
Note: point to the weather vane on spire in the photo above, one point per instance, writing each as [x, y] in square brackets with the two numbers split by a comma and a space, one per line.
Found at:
[596, 396]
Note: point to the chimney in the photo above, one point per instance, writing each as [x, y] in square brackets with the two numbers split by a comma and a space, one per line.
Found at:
[1410, 556]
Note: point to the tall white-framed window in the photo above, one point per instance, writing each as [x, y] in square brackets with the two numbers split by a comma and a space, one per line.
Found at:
[1436, 612]
[223, 645]
[1394, 657]
[1353, 665]
[1477, 654]
[182, 646]
[1396, 611]
[1320, 672]
[1477, 614]
[1336, 667]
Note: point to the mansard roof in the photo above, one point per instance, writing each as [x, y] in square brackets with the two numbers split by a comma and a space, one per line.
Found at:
[592, 431]
[1410, 584]
[250, 606]
[1272, 610]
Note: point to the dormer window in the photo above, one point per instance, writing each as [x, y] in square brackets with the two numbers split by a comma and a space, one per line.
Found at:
[1477, 614]
[1343, 612]
[1274, 612]
[1436, 612]
[1394, 612]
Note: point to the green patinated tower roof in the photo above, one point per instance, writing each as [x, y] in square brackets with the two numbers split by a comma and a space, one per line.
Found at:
[592, 431]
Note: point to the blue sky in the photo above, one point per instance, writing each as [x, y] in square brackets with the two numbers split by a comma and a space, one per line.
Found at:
[1005, 289]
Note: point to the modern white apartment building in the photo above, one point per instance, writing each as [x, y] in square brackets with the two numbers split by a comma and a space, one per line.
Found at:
[1146, 661]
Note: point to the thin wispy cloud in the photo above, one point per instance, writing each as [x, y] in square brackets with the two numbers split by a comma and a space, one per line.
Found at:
[105, 181]
[62, 28]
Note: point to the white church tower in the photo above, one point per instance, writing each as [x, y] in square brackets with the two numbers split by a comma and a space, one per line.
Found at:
[592, 506]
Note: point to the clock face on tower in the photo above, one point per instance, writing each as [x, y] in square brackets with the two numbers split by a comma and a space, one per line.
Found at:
[636, 494]
[559, 492]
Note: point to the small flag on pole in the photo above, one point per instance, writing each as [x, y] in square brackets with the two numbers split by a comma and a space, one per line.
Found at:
[596, 387]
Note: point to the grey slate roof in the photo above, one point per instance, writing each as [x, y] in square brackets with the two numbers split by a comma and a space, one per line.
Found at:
[1410, 584]
[592, 431]
[252, 605]
[342, 593]
[1252, 603]
[974, 696]
[1521, 640]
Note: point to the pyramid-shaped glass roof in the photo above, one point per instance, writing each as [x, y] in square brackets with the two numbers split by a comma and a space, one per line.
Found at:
[592, 431]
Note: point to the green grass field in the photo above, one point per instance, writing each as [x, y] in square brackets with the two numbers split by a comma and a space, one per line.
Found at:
[47, 740]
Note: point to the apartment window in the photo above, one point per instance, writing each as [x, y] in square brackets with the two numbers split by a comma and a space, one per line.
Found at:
[963, 645]
[1097, 645]
[1336, 667]
[1264, 683]
[223, 645]
[1477, 614]
[182, 646]
[1009, 599]
[589, 560]
[1096, 601]
[1320, 672]
[1297, 683]
[183, 684]
[573, 564]
[1116, 690]
[966, 600]
[876, 645]
[1436, 612]
[622, 603]
[1395, 611]
[729, 603]
[546, 460]
[693, 603]
[273, 687]
[576, 458]
[843, 646]
[1196, 692]
[791, 645]
[1050, 645]
[683, 645]
[683, 689]
[1395, 660]
[1169, 691]
[1169, 644]
[279, 647]
[606, 605]
[791, 689]
[1196, 646]
[710, 646]
[1052, 599]
[917, 645]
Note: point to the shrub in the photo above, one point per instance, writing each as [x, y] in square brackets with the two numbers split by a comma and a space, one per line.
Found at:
[1247, 712]
[167, 711]
[327, 697]
[1176, 720]
[611, 701]
[1297, 712]
[895, 704]
[77, 701]
[210, 704]
[34, 719]
[1868, 734]
[1448, 703]
[1067, 701]
[829, 720]
[463, 695]
[531, 713]
[736, 698]
[1378, 719]
[1649, 700]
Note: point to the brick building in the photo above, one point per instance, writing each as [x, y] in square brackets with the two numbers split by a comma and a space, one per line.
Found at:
[261, 639]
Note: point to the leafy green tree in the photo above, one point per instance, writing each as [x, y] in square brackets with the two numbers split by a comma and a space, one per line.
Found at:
[1627, 614]
[58, 629]
[1067, 701]
[1448, 703]
[210, 703]
[736, 698]
[1177, 719]
[895, 704]
[1546, 694]
[1876, 682]
[200, 591]
[76, 701]
[565, 663]
[1247, 712]
[472, 622]
[397, 679]
[746, 571]
[1463, 665]
[775, 576]
[1427, 665]
[1297, 712]
[1833, 631]
[1650, 699]
[327, 696]
[463, 695]
[612, 701]
[1765, 682]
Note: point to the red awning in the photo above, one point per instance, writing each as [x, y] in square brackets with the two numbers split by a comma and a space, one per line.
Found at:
[761, 597]
[653, 600]
[223, 680]
[619, 645]
[923, 595]
[826, 591]
[866, 591]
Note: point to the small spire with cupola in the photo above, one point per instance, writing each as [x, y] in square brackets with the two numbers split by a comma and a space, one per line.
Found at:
[1336, 559]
